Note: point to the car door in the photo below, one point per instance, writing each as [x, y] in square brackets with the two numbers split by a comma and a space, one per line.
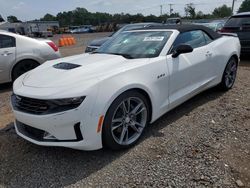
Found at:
[7, 56]
[189, 72]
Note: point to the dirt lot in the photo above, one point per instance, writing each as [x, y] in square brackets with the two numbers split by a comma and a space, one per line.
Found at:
[203, 143]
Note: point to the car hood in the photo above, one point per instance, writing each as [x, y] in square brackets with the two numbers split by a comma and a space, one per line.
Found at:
[99, 42]
[87, 68]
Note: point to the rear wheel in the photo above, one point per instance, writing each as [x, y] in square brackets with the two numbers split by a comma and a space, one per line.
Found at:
[23, 67]
[229, 75]
[125, 120]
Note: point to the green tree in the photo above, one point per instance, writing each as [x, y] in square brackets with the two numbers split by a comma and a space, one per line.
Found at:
[175, 14]
[151, 18]
[81, 16]
[200, 15]
[12, 19]
[245, 6]
[48, 17]
[190, 10]
[223, 11]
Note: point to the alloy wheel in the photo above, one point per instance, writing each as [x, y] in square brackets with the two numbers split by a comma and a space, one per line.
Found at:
[230, 73]
[129, 121]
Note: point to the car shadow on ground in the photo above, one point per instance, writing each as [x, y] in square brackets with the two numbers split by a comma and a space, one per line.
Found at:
[5, 87]
[23, 164]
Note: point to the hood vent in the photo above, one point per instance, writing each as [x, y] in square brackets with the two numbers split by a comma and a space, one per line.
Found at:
[66, 66]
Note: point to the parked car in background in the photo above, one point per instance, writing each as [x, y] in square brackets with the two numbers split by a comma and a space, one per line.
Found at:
[240, 24]
[84, 29]
[95, 44]
[108, 97]
[173, 21]
[216, 26]
[19, 54]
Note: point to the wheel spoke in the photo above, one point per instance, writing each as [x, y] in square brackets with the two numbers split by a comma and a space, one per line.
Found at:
[228, 71]
[135, 110]
[227, 81]
[231, 78]
[134, 127]
[117, 126]
[124, 108]
[233, 68]
[138, 124]
[118, 120]
[126, 140]
[128, 109]
[140, 111]
[124, 130]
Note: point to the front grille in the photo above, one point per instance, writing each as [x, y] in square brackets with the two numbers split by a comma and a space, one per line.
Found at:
[39, 106]
[34, 106]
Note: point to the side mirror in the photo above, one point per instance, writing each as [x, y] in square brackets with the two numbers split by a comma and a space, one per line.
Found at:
[182, 49]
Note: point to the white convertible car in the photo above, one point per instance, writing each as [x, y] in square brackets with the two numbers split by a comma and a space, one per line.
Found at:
[107, 98]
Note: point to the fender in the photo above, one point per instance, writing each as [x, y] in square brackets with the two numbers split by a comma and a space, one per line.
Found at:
[127, 88]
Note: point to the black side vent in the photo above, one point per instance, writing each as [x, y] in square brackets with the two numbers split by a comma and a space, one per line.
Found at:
[66, 66]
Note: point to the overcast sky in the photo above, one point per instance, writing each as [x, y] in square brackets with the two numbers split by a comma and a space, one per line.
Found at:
[32, 9]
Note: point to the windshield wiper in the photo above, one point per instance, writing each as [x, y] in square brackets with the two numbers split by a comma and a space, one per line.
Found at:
[127, 56]
[95, 52]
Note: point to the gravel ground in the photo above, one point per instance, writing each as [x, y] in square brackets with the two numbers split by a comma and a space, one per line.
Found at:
[203, 143]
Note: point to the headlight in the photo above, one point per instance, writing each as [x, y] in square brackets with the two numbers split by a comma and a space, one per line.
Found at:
[76, 101]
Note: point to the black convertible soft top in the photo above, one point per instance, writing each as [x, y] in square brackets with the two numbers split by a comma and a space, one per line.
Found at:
[185, 28]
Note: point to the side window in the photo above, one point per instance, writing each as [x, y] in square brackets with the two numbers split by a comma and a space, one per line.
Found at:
[7, 41]
[195, 39]
[208, 38]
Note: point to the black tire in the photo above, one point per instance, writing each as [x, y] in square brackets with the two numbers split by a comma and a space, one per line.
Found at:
[23, 67]
[109, 133]
[229, 75]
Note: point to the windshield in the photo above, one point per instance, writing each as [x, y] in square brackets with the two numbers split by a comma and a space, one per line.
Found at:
[238, 21]
[136, 44]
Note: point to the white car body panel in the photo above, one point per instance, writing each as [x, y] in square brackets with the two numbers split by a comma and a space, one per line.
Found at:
[26, 48]
[102, 78]
[7, 58]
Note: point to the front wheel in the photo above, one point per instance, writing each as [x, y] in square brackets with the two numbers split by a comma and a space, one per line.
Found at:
[125, 120]
[229, 75]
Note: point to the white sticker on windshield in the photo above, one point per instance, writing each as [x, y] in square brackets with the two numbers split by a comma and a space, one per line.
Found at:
[160, 38]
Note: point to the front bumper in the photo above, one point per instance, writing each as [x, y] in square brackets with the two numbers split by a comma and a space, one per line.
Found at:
[74, 129]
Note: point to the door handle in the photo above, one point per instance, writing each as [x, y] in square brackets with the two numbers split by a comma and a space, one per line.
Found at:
[6, 53]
